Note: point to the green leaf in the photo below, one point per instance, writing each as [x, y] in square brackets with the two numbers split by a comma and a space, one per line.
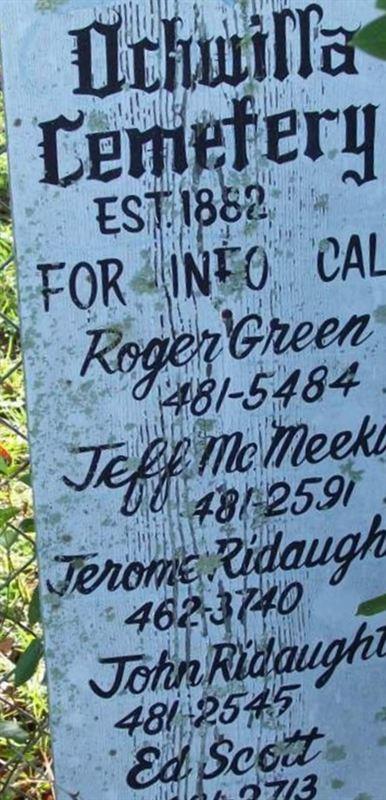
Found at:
[28, 525]
[381, 4]
[26, 479]
[372, 607]
[8, 538]
[372, 38]
[28, 662]
[4, 466]
[9, 729]
[6, 514]
[34, 608]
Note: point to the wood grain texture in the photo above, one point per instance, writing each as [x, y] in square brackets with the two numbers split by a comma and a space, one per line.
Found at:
[306, 202]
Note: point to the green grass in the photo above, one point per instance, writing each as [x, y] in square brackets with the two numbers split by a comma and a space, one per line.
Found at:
[25, 761]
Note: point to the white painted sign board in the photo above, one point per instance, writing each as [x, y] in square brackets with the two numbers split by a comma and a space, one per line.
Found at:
[199, 205]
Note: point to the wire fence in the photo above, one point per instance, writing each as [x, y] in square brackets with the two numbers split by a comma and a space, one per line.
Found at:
[25, 760]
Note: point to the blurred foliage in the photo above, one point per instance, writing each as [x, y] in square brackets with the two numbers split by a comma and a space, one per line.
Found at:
[25, 761]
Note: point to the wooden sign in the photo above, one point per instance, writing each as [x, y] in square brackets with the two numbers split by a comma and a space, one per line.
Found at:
[199, 203]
